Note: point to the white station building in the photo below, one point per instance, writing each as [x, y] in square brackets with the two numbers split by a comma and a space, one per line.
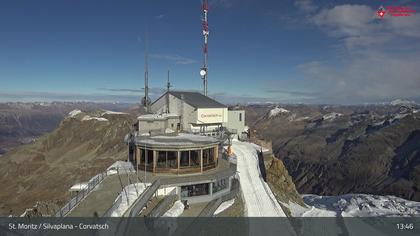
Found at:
[191, 112]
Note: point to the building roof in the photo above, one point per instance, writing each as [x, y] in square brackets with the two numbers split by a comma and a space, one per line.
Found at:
[176, 140]
[163, 116]
[196, 100]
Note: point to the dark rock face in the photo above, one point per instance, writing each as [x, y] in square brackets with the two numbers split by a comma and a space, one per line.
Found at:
[281, 183]
[375, 152]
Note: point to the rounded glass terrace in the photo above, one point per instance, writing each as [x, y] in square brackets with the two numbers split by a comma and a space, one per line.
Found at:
[177, 153]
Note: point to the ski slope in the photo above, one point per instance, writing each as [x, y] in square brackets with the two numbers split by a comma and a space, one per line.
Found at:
[258, 198]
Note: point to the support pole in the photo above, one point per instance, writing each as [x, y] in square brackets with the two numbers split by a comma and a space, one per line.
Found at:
[216, 153]
[178, 157]
[201, 160]
[154, 161]
[137, 150]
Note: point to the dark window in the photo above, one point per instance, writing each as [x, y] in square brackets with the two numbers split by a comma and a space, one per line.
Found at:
[208, 156]
[240, 116]
[195, 190]
[195, 158]
[172, 161]
[142, 156]
[184, 158]
[161, 160]
[149, 158]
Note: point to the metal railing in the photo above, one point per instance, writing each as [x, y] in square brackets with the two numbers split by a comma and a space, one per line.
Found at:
[144, 198]
[164, 205]
[80, 195]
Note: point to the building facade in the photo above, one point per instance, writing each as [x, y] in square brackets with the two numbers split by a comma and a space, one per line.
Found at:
[198, 113]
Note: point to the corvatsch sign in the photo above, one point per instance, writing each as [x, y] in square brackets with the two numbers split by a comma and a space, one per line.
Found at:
[212, 115]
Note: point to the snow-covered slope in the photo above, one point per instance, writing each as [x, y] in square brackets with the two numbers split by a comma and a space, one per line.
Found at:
[355, 205]
[259, 200]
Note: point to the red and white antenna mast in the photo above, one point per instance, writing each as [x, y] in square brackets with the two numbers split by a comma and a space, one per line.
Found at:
[204, 70]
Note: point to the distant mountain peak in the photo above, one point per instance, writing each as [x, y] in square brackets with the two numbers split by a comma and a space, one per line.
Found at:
[277, 110]
[402, 102]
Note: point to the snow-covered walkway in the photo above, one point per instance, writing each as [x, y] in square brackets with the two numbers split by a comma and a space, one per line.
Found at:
[258, 198]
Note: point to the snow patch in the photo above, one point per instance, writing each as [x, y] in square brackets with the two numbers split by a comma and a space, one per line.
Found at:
[331, 116]
[85, 118]
[169, 131]
[120, 167]
[113, 113]
[224, 206]
[302, 118]
[176, 210]
[276, 111]
[398, 117]
[74, 113]
[126, 198]
[78, 187]
[360, 205]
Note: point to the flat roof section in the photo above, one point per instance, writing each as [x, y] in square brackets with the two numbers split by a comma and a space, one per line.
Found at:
[152, 117]
[180, 140]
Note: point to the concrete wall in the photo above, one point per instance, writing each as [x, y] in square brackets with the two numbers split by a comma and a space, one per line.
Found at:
[145, 125]
[159, 124]
[176, 106]
[234, 121]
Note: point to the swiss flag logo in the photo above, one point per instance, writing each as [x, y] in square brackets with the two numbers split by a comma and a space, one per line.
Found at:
[381, 12]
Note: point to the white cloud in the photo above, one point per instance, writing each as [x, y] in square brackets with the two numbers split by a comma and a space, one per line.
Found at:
[306, 5]
[379, 61]
[159, 17]
[405, 26]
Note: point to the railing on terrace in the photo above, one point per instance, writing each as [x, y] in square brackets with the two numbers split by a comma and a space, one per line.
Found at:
[144, 198]
[80, 195]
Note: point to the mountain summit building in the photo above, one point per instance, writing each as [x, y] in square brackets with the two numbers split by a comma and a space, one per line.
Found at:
[183, 139]
[191, 112]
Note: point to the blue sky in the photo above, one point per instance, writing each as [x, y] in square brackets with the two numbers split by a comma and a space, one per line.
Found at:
[278, 51]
